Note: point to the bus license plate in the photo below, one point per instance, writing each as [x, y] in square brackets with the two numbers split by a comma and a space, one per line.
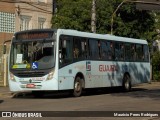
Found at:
[30, 85]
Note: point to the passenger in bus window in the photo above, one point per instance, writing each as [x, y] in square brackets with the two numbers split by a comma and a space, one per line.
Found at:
[121, 52]
[133, 52]
[110, 54]
[76, 52]
[99, 50]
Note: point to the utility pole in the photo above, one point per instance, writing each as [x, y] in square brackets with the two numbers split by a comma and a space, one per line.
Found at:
[93, 16]
[54, 7]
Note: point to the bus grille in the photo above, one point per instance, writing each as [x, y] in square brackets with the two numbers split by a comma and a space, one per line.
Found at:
[31, 74]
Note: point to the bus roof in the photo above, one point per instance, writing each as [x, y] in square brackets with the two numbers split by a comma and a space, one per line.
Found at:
[100, 36]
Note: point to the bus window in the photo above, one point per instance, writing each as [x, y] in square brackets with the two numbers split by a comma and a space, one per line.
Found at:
[117, 51]
[122, 52]
[65, 48]
[111, 50]
[84, 48]
[133, 53]
[146, 53]
[94, 49]
[79, 48]
[139, 52]
[127, 51]
[104, 50]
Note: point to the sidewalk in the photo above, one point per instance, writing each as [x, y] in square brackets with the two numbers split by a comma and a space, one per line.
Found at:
[4, 91]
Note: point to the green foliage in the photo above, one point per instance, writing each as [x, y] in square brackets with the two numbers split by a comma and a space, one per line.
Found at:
[131, 22]
[104, 12]
[128, 21]
[156, 65]
[73, 14]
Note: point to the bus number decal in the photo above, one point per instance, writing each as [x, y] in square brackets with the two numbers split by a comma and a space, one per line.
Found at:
[88, 66]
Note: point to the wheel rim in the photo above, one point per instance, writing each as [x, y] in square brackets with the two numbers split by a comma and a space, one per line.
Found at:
[77, 87]
[127, 84]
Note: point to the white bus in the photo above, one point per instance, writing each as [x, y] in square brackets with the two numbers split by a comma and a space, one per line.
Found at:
[60, 59]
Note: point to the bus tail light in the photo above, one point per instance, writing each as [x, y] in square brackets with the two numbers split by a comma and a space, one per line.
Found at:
[50, 75]
[12, 77]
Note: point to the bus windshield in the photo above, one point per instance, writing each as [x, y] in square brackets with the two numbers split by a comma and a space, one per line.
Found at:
[32, 55]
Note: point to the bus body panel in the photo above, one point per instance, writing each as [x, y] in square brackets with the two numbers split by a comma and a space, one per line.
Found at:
[45, 85]
[68, 74]
[40, 83]
[104, 73]
[140, 72]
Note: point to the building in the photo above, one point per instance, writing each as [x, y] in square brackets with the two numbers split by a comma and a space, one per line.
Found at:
[18, 15]
[7, 21]
[34, 14]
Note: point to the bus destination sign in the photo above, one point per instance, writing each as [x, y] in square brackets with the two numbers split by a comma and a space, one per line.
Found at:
[33, 35]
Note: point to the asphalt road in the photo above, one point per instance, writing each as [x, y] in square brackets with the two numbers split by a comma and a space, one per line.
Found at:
[94, 102]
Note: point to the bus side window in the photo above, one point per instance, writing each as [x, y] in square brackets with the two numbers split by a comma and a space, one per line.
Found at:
[104, 50]
[146, 53]
[111, 51]
[79, 48]
[139, 52]
[76, 48]
[122, 51]
[117, 51]
[133, 52]
[128, 56]
[65, 50]
[93, 49]
[84, 47]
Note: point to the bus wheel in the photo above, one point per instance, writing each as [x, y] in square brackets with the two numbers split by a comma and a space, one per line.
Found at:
[126, 83]
[77, 87]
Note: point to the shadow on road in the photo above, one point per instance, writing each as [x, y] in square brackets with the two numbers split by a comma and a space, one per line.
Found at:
[116, 91]
[1, 101]
[137, 93]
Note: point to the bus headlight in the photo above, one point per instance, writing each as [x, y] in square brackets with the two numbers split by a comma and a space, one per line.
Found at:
[12, 77]
[50, 75]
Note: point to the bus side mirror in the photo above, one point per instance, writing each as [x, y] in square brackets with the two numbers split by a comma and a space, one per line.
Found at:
[4, 49]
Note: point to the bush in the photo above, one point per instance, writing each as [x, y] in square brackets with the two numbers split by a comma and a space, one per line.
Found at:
[156, 65]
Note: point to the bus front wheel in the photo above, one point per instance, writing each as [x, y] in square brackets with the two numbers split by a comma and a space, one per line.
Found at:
[126, 83]
[77, 91]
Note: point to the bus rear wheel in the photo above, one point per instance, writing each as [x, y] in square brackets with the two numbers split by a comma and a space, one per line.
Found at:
[77, 91]
[126, 83]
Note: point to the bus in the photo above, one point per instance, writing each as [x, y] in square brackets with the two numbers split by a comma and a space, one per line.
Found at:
[62, 59]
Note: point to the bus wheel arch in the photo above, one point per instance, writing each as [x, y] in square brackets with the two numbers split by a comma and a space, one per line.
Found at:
[79, 85]
[126, 84]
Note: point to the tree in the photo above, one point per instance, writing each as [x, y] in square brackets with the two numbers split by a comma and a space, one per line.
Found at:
[128, 21]
[156, 65]
[73, 14]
